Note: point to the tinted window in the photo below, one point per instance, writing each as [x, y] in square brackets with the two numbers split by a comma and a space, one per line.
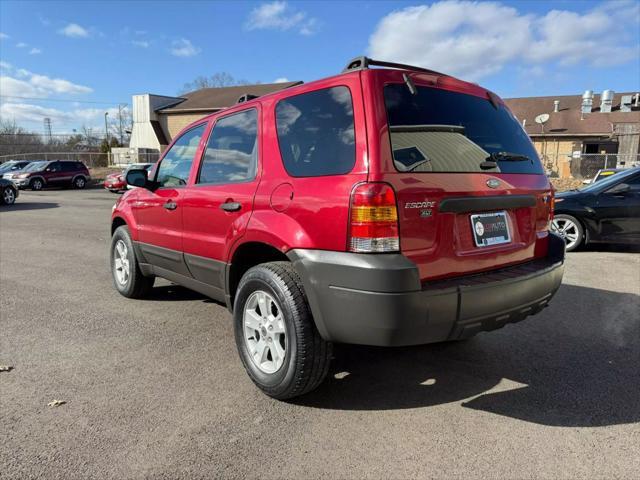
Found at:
[176, 164]
[622, 177]
[316, 133]
[232, 150]
[441, 131]
[69, 166]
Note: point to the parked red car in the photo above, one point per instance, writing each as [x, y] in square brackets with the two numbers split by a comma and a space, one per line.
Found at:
[388, 206]
[116, 183]
[38, 175]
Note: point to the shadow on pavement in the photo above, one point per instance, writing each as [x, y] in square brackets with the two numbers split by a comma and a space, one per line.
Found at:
[18, 206]
[174, 293]
[577, 364]
[612, 247]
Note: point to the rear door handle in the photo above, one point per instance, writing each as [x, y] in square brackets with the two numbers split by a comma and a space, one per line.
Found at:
[231, 206]
[170, 205]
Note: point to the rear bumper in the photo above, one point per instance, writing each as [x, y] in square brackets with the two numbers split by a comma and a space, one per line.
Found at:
[378, 299]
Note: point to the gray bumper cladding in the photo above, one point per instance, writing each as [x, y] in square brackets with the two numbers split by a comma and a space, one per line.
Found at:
[378, 299]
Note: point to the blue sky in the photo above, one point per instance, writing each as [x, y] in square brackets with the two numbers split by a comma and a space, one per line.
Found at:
[92, 51]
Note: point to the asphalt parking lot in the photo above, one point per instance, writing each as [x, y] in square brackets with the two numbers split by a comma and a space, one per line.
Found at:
[154, 388]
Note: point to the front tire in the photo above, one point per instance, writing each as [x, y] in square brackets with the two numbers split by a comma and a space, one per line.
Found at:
[570, 229]
[36, 184]
[127, 277]
[8, 196]
[278, 342]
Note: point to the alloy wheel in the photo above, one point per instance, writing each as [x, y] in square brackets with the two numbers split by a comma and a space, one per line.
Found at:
[567, 230]
[36, 185]
[265, 332]
[9, 196]
[121, 263]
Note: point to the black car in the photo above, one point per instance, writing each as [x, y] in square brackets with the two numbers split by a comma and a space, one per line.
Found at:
[8, 192]
[607, 211]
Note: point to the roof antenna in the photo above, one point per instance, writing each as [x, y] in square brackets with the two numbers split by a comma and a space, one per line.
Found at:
[409, 83]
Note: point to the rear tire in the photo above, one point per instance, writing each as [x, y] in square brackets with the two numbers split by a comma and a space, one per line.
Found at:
[125, 270]
[290, 366]
[570, 229]
[79, 182]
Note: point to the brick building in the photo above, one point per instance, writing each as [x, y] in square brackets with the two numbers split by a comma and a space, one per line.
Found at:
[583, 132]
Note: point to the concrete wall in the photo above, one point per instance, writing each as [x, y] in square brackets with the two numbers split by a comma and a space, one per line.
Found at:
[144, 112]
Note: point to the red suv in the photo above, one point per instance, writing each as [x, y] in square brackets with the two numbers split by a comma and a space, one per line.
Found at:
[41, 174]
[387, 206]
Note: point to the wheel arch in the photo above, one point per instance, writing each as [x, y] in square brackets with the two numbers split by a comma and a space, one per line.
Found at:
[246, 255]
[117, 222]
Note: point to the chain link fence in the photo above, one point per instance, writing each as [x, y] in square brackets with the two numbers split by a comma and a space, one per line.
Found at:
[91, 160]
[586, 165]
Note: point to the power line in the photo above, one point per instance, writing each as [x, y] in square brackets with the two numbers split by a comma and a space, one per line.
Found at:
[62, 100]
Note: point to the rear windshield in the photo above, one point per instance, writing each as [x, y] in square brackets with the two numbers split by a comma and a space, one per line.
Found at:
[440, 131]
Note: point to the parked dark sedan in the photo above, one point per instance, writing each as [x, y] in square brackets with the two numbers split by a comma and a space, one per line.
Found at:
[607, 211]
[8, 192]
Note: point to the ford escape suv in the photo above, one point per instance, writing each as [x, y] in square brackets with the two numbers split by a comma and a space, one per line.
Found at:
[382, 206]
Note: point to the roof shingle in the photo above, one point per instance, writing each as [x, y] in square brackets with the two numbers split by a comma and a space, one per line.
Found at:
[568, 120]
[211, 99]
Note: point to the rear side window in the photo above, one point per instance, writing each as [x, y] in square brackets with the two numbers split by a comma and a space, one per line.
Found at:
[232, 150]
[442, 131]
[316, 133]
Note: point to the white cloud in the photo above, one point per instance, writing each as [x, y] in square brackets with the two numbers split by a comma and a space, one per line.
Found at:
[74, 30]
[278, 15]
[5, 66]
[281, 80]
[35, 51]
[22, 45]
[27, 84]
[140, 43]
[183, 48]
[30, 113]
[475, 39]
[3, 36]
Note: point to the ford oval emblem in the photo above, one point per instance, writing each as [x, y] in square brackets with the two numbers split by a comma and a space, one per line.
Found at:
[493, 183]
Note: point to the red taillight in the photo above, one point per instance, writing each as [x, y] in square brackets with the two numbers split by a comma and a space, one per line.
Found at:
[373, 219]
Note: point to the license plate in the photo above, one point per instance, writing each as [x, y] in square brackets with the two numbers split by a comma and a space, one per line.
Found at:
[490, 229]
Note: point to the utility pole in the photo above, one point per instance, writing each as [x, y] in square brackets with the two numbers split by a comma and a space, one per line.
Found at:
[106, 129]
[120, 124]
[47, 129]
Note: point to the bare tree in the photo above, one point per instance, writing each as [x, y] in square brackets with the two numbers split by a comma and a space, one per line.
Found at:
[15, 139]
[219, 79]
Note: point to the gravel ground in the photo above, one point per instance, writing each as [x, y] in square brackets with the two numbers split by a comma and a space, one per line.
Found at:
[155, 389]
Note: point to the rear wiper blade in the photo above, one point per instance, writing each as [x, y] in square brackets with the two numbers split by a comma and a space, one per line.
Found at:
[507, 157]
[492, 160]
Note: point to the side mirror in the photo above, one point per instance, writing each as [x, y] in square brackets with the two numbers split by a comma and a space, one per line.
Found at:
[138, 178]
[620, 189]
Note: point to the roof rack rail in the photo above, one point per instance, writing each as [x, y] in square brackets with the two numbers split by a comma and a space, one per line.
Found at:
[362, 63]
[246, 97]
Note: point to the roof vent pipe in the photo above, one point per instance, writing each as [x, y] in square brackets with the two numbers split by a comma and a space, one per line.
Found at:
[587, 101]
[606, 101]
[556, 106]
